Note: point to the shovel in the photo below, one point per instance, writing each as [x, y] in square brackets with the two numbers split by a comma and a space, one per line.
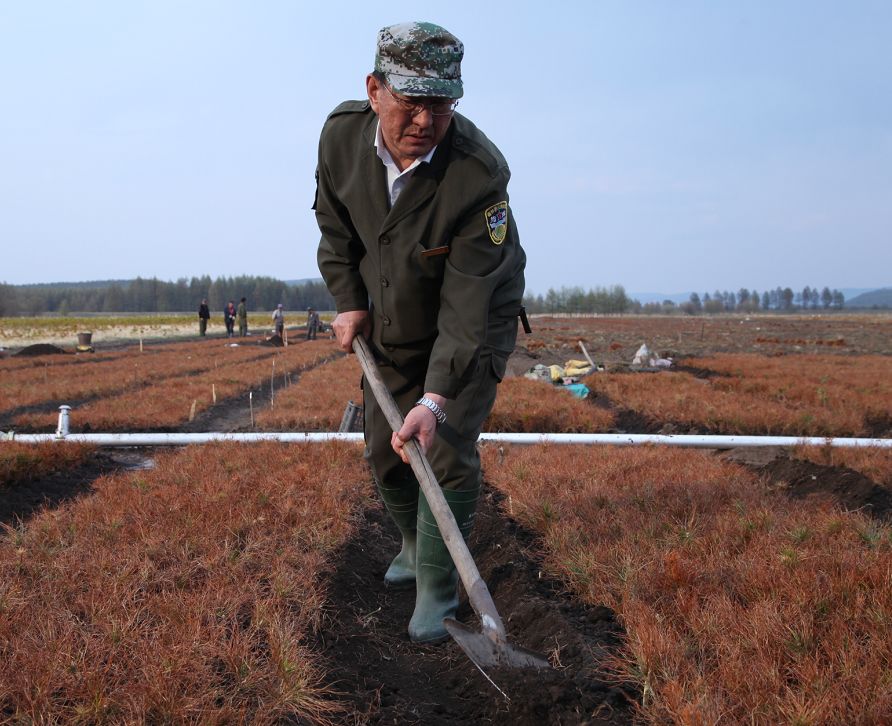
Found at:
[489, 648]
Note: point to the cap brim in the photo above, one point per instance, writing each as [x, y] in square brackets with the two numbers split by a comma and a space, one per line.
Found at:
[426, 86]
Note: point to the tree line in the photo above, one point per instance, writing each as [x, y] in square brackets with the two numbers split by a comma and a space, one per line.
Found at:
[615, 300]
[157, 296]
[264, 293]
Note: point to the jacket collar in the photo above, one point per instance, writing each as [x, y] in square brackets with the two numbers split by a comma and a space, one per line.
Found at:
[421, 187]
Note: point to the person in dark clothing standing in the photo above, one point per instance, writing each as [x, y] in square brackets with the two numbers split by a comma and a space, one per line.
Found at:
[204, 314]
[242, 314]
[421, 253]
[312, 323]
[229, 318]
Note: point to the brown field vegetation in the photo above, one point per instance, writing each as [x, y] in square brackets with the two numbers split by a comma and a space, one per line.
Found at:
[61, 379]
[25, 463]
[50, 387]
[179, 594]
[614, 339]
[849, 389]
[805, 395]
[316, 402]
[740, 606]
[166, 400]
[190, 592]
[527, 406]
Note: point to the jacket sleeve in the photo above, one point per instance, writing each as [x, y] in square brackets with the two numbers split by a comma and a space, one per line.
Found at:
[340, 249]
[475, 268]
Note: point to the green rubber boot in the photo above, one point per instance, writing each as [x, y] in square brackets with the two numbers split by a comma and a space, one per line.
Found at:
[436, 594]
[402, 505]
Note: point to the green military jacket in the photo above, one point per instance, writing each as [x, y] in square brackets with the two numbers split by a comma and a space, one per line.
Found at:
[442, 271]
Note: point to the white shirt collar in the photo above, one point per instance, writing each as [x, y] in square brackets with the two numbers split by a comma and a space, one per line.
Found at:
[397, 179]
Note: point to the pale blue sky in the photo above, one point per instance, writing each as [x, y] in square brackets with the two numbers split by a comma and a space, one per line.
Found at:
[663, 146]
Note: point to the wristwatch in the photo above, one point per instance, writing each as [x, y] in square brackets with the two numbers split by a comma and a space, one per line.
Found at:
[438, 412]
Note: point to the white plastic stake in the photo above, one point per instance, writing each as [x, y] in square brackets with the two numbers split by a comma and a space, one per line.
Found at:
[272, 386]
[214, 392]
[251, 406]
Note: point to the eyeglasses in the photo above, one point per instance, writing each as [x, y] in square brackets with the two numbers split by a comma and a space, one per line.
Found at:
[438, 107]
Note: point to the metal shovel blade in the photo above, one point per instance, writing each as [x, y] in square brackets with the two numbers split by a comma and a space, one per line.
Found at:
[488, 652]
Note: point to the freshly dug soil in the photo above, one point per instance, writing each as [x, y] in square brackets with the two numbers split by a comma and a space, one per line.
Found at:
[390, 680]
[41, 349]
[845, 486]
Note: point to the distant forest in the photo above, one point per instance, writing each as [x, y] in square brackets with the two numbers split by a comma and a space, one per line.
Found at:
[615, 300]
[155, 296]
[264, 293]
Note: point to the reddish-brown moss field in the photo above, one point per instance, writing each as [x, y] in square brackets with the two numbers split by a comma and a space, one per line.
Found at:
[161, 391]
[242, 583]
[527, 406]
[812, 395]
[58, 379]
[316, 402]
[183, 593]
[22, 463]
[741, 606]
[614, 339]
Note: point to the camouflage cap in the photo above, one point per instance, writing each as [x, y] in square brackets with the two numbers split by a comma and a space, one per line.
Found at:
[420, 59]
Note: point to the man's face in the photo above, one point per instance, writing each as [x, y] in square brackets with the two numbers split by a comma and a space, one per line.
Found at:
[407, 136]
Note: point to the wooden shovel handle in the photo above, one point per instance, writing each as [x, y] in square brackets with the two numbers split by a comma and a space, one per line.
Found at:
[478, 593]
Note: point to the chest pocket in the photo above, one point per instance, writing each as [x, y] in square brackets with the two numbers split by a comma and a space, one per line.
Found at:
[431, 261]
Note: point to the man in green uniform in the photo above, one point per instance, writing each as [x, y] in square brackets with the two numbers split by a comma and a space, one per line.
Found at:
[204, 314]
[241, 313]
[421, 253]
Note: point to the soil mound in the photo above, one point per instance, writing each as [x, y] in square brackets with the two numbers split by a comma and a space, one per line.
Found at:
[275, 341]
[389, 680]
[42, 349]
[849, 488]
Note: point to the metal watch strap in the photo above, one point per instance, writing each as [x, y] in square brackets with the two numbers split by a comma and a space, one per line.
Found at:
[438, 412]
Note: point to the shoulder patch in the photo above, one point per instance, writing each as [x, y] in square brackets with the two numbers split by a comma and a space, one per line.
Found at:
[497, 222]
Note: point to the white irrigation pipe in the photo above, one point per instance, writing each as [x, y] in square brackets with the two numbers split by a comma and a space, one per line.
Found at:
[683, 441]
[688, 441]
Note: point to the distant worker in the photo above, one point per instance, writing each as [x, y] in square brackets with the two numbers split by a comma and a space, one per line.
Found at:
[204, 314]
[242, 314]
[312, 323]
[229, 318]
[279, 320]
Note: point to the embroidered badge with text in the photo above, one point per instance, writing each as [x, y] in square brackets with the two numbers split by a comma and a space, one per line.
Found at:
[497, 222]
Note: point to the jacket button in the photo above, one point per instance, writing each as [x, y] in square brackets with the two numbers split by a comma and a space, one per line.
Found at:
[385, 282]
[385, 320]
[385, 240]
